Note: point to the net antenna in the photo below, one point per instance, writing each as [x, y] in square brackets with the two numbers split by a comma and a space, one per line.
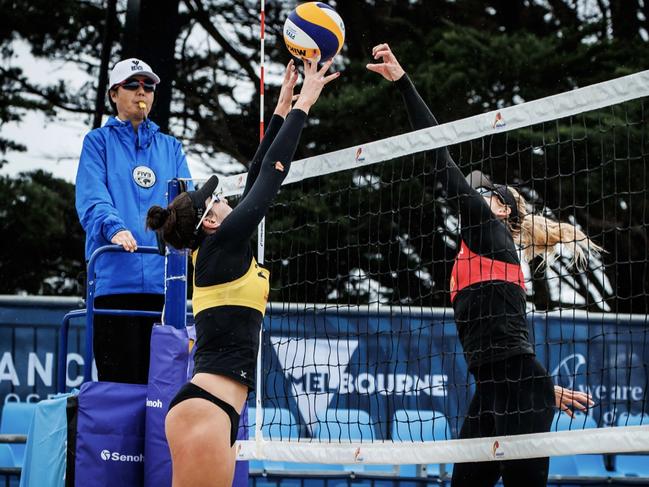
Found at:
[261, 230]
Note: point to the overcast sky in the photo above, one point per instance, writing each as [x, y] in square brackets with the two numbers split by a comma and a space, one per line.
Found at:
[54, 145]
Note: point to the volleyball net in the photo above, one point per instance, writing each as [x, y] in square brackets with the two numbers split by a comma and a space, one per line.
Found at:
[360, 358]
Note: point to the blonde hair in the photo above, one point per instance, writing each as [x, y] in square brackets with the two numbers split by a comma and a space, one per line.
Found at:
[538, 236]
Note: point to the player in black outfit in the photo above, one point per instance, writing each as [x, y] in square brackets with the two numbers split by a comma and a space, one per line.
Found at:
[514, 394]
[230, 292]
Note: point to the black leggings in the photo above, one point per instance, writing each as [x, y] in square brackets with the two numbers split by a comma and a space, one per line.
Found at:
[122, 344]
[513, 397]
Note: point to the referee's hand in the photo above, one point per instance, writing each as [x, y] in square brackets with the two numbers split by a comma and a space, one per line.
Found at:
[125, 239]
[568, 400]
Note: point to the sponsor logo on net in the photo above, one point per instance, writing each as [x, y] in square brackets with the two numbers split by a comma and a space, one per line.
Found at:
[157, 403]
[496, 450]
[358, 455]
[116, 456]
[499, 121]
[358, 157]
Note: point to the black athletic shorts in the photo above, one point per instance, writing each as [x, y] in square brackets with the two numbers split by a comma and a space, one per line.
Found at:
[227, 341]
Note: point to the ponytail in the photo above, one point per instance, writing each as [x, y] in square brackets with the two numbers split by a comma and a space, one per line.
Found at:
[538, 236]
[175, 224]
[157, 217]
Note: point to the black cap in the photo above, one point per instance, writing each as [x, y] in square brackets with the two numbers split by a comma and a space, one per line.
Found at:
[478, 180]
[199, 196]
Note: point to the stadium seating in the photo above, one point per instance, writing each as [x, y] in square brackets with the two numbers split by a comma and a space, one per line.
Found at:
[632, 465]
[413, 425]
[350, 425]
[345, 425]
[7, 459]
[279, 424]
[576, 465]
[16, 419]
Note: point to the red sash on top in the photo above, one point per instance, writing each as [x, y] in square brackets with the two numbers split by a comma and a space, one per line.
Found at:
[471, 268]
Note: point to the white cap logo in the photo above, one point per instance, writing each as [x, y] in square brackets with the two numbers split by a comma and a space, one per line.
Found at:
[144, 176]
[105, 455]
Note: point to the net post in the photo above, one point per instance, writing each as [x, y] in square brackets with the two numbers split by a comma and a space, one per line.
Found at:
[175, 308]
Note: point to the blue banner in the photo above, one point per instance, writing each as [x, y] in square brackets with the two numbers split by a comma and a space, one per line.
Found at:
[376, 362]
[383, 363]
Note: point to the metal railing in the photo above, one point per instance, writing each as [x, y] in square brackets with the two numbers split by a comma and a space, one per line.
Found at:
[90, 313]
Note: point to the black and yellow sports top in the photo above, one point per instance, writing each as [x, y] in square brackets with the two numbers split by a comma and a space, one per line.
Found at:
[250, 291]
[230, 288]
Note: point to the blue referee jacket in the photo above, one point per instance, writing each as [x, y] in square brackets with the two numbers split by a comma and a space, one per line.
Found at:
[121, 174]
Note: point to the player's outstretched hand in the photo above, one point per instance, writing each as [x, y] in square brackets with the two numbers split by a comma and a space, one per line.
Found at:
[286, 98]
[389, 67]
[314, 80]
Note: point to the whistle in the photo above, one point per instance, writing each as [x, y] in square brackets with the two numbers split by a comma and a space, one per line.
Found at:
[142, 105]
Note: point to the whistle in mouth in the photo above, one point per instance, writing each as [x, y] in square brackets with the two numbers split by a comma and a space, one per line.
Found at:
[142, 105]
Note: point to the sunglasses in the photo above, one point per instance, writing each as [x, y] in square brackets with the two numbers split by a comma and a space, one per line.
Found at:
[489, 193]
[216, 198]
[134, 84]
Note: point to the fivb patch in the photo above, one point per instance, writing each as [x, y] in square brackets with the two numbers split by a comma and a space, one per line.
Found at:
[144, 176]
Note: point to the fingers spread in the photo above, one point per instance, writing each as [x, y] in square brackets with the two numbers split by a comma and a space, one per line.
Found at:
[331, 77]
[326, 66]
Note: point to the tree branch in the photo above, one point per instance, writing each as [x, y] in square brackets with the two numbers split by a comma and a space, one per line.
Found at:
[50, 98]
[203, 18]
[564, 13]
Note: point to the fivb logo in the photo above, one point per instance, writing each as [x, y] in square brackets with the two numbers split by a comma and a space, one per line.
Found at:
[115, 456]
[319, 377]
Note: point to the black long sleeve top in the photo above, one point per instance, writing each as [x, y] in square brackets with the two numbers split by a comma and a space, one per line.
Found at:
[227, 332]
[226, 254]
[490, 315]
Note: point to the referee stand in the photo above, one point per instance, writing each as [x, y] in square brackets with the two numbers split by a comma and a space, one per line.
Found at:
[88, 452]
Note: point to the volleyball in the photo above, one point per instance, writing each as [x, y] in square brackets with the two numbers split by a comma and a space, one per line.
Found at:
[314, 30]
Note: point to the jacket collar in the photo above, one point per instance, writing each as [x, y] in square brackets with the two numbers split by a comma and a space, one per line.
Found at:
[145, 132]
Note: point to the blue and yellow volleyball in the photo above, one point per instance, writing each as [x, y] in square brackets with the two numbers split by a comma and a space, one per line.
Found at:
[314, 30]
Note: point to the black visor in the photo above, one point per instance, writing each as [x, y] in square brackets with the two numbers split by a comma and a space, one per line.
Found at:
[484, 186]
[199, 196]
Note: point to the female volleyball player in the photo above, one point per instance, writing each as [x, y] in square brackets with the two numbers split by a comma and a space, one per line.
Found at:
[230, 292]
[514, 394]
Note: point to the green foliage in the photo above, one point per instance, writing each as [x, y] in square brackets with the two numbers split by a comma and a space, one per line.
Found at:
[42, 252]
[465, 57]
